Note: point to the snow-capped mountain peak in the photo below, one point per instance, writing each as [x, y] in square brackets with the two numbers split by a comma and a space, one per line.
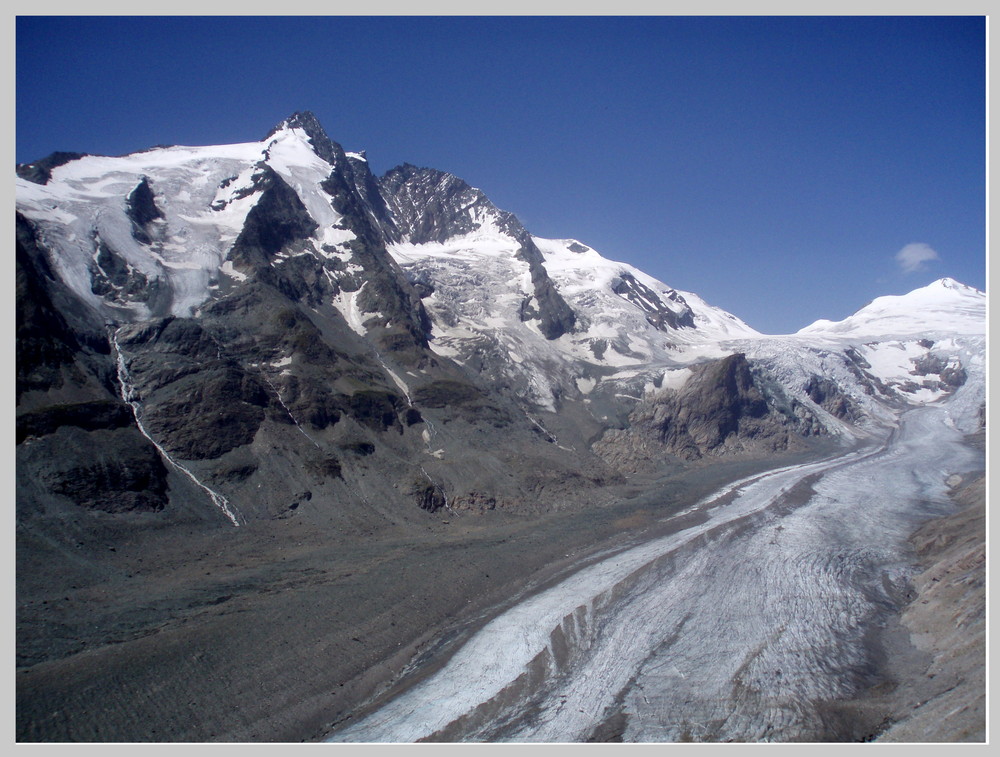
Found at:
[944, 305]
[305, 125]
[169, 230]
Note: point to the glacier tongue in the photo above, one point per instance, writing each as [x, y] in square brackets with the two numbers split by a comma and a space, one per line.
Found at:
[738, 628]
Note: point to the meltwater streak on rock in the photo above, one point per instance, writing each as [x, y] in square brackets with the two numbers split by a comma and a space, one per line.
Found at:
[128, 396]
[737, 628]
[288, 411]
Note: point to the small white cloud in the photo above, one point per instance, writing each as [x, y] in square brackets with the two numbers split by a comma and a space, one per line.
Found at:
[915, 256]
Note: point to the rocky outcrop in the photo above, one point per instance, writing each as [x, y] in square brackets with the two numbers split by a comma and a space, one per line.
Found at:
[45, 341]
[277, 220]
[659, 315]
[398, 317]
[869, 384]
[555, 317]
[827, 394]
[141, 208]
[428, 205]
[119, 283]
[90, 416]
[114, 471]
[428, 495]
[719, 410]
[949, 374]
[322, 145]
[195, 402]
[459, 399]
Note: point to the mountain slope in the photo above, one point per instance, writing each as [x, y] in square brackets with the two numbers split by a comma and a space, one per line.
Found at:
[251, 334]
[238, 349]
[277, 293]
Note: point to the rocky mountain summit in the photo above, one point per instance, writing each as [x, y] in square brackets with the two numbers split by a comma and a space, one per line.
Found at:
[245, 336]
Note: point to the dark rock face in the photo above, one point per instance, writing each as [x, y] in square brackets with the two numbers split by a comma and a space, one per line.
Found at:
[197, 404]
[952, 376]
[720, 401]
[90, 416]
[45, 341]
[430, 206]
[376, 409]
[362, 449]
[325, 147]
[462, 400]
[928, 363]
[325, 386]
[825, 393]
[141, 204]
[119, 283]
[719, 410]
[367, 188]
[555, 317]
[277, 220]
[141, 208]
[113, 471]
[111, 272]
[190, 422]
[404, 324]
[258, 183]
[428, 496]
[870, 384]
[326, 467]
[658, 314]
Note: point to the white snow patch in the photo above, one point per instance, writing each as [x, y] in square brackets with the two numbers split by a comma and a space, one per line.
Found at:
[942, 306]
[228, 269]
[675, 379]
[347, 304]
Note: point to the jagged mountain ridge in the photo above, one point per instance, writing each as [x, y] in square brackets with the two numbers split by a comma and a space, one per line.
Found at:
[219, 251]
[278, 295]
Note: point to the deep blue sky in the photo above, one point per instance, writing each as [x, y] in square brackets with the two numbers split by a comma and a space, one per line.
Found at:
[775, 166]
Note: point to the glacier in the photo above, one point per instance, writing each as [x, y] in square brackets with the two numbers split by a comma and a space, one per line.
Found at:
[740, 628]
